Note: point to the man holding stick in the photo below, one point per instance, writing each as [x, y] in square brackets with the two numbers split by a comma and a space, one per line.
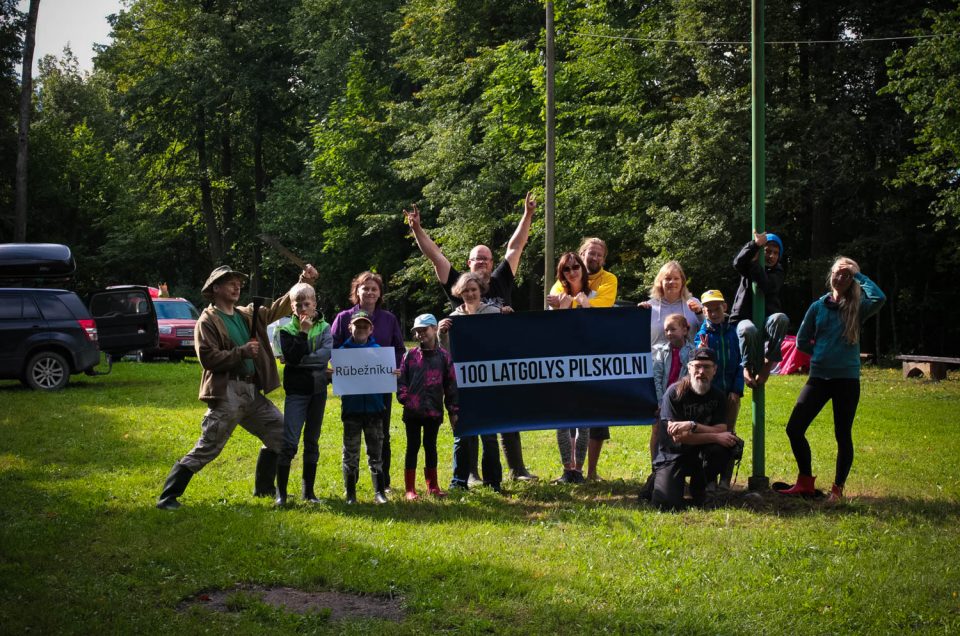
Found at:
[238, 370]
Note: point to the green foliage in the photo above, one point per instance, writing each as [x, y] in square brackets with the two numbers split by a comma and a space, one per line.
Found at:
[925, 81]
[84, 549]
[319, 121]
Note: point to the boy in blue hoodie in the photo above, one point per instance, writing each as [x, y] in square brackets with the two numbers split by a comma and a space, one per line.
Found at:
[760, 350]
[361, 414]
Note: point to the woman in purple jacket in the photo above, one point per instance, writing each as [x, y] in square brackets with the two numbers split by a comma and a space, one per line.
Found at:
[366, 293]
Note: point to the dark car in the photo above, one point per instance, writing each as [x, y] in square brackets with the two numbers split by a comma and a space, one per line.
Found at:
[177, 319]
[46, 335]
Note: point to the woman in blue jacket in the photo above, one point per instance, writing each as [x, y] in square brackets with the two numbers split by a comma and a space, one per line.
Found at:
[830, 333]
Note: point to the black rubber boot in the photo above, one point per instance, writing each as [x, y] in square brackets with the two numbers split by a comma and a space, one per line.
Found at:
[265, 473]
[283, 476]
[309, 477]
[176, 483]
[350, 487]
[380, 495]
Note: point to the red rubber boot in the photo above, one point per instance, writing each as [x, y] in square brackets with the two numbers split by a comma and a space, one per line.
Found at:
[431, 476]
[803, 487]
[836, 495]
[410, 481]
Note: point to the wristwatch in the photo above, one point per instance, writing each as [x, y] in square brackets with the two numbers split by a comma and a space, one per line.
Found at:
[693, 429]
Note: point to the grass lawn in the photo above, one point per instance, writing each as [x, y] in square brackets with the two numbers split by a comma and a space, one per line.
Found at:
[83, 550]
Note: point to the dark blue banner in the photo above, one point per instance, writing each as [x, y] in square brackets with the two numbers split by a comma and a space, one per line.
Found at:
[553, 369]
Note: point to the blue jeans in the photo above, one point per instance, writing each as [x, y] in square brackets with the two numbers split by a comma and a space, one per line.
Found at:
[755, 347]
[302, 412]
[490, 467]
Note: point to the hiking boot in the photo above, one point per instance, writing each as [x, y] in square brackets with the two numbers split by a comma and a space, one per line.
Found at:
[524, 475]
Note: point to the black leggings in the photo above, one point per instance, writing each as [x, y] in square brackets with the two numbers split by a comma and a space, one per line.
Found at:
[845, 393]
[431, 427]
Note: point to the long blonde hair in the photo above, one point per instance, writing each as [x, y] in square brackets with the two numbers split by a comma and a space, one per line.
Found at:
[656, 290]
[850, 300]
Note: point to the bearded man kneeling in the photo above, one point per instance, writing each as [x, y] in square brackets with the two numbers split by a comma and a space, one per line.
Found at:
[693, 439]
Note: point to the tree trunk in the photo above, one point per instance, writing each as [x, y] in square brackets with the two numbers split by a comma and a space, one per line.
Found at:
[206, 197]
[259, 196]
[226, 171]
[26, 106]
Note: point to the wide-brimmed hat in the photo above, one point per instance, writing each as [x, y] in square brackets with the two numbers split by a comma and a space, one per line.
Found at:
[221, 272]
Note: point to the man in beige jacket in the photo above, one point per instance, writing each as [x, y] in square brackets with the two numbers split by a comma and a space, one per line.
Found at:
[238, 370]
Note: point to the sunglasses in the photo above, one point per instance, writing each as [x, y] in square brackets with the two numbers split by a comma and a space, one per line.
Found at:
[570, 268]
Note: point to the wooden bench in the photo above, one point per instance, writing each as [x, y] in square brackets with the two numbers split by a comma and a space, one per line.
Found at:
[933, 367]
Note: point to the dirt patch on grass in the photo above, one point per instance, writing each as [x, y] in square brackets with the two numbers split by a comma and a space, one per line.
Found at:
[336, 605]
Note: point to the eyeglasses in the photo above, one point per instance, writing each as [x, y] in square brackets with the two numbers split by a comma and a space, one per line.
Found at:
[570, 268]
[481, 259]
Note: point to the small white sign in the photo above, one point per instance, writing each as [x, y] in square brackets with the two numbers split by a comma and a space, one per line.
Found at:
[366, 370]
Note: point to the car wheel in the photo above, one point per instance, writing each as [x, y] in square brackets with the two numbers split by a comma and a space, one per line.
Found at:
[47, 371]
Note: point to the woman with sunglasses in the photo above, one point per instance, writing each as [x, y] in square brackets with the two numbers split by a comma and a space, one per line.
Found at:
[572, 442]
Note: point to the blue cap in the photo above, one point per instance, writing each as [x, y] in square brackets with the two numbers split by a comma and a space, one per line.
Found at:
[424, 320]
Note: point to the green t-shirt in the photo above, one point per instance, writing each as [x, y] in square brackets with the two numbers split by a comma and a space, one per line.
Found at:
[240, 334]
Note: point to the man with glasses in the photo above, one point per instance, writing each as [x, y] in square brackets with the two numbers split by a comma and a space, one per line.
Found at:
[498, 283]
[693, 439]
[603, 284]
[499, 280]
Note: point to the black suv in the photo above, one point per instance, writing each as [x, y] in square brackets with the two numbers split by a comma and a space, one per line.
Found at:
[46, 335]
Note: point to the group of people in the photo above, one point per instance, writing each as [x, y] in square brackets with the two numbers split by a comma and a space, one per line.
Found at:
[703, 358]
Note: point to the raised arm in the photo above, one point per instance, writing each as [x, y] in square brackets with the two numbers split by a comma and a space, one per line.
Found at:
[871, 299]
[429, 249]
[520, 235]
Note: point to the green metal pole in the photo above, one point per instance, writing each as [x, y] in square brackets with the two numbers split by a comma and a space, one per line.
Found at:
[758, 480]
[549, 204]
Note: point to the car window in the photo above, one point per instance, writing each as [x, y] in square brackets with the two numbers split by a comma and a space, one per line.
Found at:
[112, 304]
[11, 307]
[52, 308]
[176, 311]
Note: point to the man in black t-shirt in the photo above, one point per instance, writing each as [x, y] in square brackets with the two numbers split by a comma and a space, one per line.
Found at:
[500, 279]
[693, 438]
[499, 283]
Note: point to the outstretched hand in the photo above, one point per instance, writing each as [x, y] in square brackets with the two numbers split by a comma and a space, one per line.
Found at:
[530, 203]
[413, 216]
[309, 274]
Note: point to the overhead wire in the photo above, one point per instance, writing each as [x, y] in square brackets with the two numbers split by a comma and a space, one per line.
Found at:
[737, 42]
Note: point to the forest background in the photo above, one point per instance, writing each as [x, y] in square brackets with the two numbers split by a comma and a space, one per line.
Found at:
[205, 123]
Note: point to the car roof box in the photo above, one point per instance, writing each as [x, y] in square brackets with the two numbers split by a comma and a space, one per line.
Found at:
[23, 261]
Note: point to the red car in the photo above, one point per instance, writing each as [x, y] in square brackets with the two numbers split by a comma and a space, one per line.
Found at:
[177, 318]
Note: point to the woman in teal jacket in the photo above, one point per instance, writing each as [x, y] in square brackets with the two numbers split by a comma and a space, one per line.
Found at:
[830, 333]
